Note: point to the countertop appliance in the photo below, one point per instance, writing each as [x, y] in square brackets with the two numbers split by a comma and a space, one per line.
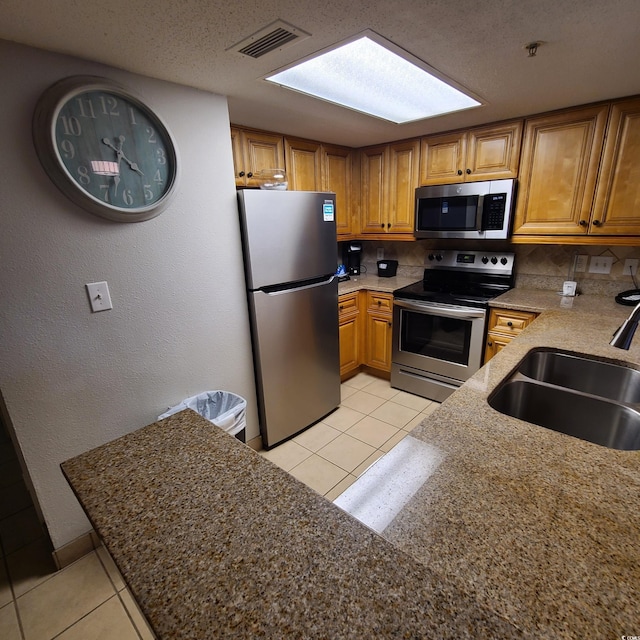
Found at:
[351, 254]
[473, 210]
[439, 323]
[289, 245]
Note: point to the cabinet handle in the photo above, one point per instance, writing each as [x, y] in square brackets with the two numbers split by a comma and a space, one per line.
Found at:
[388, 225]
[249, 175]
[489, 344]
[468, 171]
[389, 324]
[596, 223]
[341, 307]
[382, 225]
[241, 174]
[379, 302]
[459, 172]
[583, 223]
[509, 324]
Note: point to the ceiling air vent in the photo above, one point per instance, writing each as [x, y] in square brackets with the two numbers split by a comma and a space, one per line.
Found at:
[274, 36]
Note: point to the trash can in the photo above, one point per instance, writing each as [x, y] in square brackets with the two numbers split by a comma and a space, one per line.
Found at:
[223, 408]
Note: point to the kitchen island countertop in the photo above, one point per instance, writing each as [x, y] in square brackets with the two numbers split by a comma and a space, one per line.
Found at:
[518, 531]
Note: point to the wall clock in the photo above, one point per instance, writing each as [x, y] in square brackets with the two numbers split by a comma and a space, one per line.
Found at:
[105, 149]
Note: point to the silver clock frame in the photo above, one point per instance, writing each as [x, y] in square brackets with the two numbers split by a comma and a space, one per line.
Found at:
[44, 138]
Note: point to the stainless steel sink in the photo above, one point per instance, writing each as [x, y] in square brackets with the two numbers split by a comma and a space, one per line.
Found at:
[583, 373]
[574, 394]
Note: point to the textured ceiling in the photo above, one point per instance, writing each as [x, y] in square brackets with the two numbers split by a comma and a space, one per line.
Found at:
[591, 52]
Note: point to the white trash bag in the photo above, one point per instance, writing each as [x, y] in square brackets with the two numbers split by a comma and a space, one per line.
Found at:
[224, 409]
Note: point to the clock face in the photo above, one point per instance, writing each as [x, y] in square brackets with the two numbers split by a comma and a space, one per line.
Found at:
[105, 149]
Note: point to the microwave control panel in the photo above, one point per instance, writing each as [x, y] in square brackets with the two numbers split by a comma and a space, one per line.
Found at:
[493, 212]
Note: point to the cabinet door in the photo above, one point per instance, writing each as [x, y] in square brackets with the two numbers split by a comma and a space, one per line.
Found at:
[349, 341]
[350, 332]
[378, 346]
[442, 158]
[373, 163]
[493, 153]
[336, 177]
[558, 169]
[495, 343]
[617, 204]
[304, 164]
[261, 151]
[238, 157]
[403, 180]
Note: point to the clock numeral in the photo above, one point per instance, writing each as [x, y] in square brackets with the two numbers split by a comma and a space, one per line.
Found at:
[71, 126]
[69, 151]
[109, 106]
[86, 108]
[127, 197]
[157, 177]
[105, 189]
[152, 135]
[83, 175]
[132, 116]
[148, 193]
[162, 157]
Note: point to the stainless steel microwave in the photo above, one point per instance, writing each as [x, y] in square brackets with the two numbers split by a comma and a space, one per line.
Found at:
[474, 210]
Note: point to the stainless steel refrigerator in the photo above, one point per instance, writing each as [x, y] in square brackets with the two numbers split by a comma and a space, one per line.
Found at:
[290, 251]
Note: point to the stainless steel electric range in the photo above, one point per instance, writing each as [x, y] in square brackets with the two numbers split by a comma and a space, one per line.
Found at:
[439, 323]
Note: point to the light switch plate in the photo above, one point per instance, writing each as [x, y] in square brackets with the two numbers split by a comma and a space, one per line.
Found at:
[99, 296]
[601, 264]
[581, 263]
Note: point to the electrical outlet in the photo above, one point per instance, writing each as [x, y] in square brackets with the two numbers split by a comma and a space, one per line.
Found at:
[630, 267]
[99, 296]
[380, 253]
[601, 264]
[581, 263]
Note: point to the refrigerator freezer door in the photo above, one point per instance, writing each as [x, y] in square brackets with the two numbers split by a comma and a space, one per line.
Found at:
[288, 235]
[296, 351]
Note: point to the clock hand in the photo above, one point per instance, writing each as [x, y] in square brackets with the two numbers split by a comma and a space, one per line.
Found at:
[120, 154]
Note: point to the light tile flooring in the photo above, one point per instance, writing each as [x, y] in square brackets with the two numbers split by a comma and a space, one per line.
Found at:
[85, 601]
[371, 420]
[88, 599]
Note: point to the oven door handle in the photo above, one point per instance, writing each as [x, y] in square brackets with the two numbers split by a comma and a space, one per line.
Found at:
[449, 312]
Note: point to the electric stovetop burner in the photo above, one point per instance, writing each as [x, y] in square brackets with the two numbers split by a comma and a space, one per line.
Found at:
[463, 278]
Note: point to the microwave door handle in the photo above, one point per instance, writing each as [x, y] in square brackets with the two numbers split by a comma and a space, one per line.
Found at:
[479, 216]
[448, 312]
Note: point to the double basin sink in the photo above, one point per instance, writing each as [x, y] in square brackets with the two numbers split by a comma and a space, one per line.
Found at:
[575, 394]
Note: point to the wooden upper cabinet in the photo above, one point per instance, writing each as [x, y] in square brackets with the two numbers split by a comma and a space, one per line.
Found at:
[389, 177]
[336, 177]
[303, 164]
[403, 177]
[483, 153]
[373, 169]
[617, 205]
[254, 151]
[558, 171]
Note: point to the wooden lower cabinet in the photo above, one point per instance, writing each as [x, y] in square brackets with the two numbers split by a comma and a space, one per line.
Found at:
[504, 325]
[365, 319]
[349, 322]
[377, 352]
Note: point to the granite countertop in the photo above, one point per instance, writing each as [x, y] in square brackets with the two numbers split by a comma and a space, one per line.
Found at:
[512, 531]
[375, 283]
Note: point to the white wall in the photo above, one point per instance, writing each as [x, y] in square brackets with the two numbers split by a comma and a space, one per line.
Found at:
[72, 380]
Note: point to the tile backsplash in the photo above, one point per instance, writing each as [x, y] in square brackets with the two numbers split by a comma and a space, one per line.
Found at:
[537, 266]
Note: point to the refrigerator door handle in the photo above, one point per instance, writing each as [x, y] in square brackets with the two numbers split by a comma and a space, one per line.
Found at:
[296, 286]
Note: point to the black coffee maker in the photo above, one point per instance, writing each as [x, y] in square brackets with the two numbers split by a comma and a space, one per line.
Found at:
[351, 253]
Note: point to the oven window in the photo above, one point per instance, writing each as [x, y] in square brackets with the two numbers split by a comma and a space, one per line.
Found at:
[457, 213]
[436, 336]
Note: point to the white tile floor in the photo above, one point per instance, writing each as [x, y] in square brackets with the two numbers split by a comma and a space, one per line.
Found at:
[371, 420]
[88, 600]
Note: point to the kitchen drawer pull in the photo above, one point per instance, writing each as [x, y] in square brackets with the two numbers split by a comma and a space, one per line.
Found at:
[510, 324]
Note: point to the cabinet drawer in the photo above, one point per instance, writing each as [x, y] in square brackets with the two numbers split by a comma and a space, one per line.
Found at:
[508, 322]
[379, 301]
[347, 304]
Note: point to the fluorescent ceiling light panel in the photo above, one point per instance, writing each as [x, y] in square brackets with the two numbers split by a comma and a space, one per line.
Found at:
[366, 76]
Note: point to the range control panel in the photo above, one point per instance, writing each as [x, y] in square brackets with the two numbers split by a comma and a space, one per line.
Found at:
[478, 261]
